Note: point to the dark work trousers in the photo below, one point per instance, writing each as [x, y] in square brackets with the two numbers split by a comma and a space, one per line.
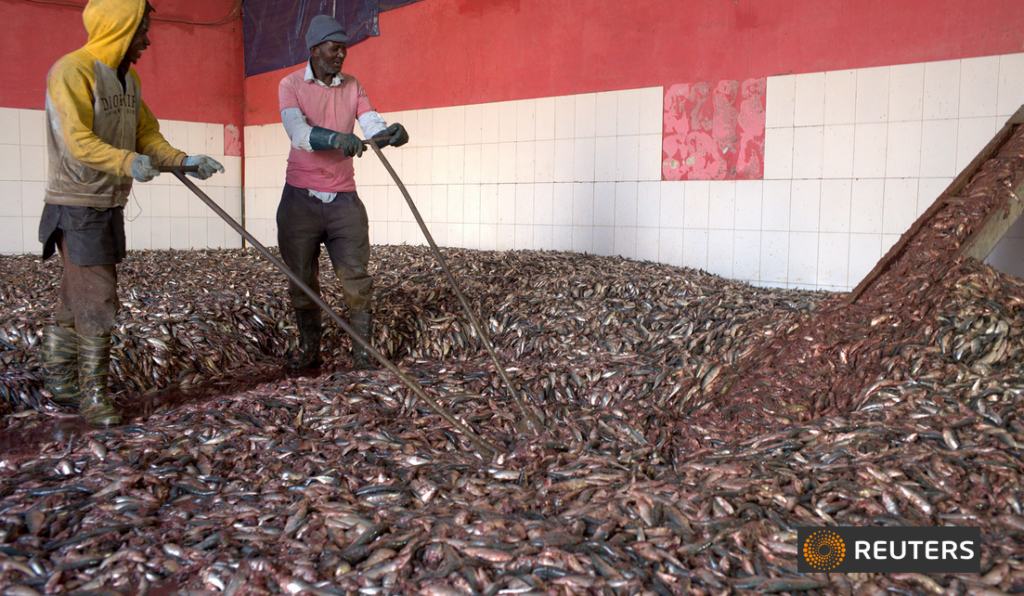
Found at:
[91, 243]
[88, 296]
[303, 223]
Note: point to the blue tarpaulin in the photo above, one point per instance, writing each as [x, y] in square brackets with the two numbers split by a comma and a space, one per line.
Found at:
[275, 30]
[389, 4]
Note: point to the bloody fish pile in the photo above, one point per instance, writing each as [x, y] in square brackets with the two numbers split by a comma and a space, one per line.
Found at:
[689, 425]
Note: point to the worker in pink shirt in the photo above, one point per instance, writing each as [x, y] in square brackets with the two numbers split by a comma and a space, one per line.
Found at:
[319, 205]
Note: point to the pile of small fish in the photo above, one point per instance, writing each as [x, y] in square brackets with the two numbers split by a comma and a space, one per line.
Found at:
[691, 424]
[927, 302]
[195, 320]
[232, 477]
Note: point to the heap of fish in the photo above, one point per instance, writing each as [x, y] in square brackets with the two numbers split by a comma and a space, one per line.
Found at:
[927, 302]
[231, 477]
[691, 424]
[214, 319]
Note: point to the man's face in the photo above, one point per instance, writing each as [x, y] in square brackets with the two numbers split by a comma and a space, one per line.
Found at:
[329, 56]
[139, 43]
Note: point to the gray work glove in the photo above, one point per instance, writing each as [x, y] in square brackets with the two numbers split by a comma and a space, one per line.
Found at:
[397, 133]
[324, 138]
[207, 166]
[142, 168]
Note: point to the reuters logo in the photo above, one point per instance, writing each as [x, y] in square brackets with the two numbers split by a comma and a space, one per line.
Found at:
[824, 550]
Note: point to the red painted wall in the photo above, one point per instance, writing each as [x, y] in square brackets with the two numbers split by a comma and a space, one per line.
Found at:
[456, 52]
[190, 72]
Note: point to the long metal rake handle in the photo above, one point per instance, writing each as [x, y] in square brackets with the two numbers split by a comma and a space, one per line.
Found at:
[531, 420]
[485, 448]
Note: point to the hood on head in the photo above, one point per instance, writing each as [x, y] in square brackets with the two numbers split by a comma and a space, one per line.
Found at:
[111, 25]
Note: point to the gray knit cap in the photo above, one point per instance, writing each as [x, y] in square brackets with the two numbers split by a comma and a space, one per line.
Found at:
[324, 28]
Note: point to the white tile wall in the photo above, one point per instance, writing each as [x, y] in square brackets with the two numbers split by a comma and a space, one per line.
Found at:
[851, 159]
[906, 89]
[774, 258]
[805, 206]
[941, 89]
[840, 97]
[835, 205]
[972, 136]
[154, 217]
[780, 98]
[833, 259]
[872, 95]
[1011, 84]
[838, 151]
[809, 100]
[938, 149]
[903, 149]
[892, 139]
[748, 204]
[695, 248]
[671, 247]
[808, 151]
[899, 207]
[979, 87]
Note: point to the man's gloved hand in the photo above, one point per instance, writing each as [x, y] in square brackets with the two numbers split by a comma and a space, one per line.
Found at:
[207, 166]
[142, 168]
[397, 133]
[349, 143]
[324, 138]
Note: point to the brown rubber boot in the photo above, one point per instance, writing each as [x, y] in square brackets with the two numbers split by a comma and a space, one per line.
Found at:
[93, 369]
[60, 365]
[362, 323]
[310, 332]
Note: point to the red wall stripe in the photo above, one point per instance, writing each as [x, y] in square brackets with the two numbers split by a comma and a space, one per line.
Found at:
[457, 52]
[191, 72]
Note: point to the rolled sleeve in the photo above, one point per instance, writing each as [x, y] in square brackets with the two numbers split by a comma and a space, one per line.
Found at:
[297, 128]
[371, 123]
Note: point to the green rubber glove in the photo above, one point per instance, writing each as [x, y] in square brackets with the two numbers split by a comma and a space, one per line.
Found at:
[324, 138]
[398, 135]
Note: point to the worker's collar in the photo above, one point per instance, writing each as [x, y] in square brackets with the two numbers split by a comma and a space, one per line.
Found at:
[338, 78]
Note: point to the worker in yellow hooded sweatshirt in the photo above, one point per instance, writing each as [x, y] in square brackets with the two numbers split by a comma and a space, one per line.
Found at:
[100, 136]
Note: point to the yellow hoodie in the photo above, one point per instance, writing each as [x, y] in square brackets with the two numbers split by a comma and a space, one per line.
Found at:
[96, 126]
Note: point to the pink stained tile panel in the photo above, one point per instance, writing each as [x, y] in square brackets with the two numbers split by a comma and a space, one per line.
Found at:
[714, 131]
[232, 141]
